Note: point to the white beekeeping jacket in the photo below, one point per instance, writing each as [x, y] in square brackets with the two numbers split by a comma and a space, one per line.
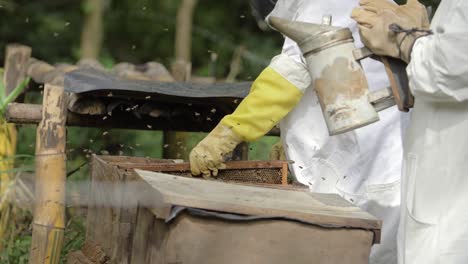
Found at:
[363, 166]
[434, 216]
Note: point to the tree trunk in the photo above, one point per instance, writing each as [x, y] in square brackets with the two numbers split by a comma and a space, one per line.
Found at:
[183, 41]
[91, 37]
[177, 143]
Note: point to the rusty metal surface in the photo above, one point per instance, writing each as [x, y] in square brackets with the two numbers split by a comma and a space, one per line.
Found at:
[343, 91]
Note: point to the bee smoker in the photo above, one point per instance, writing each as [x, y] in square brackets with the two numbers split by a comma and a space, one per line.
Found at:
[339, 80]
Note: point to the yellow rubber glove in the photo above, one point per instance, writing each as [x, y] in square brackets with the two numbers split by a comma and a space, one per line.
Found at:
[275, 92]
[389, 29]
[208, 156]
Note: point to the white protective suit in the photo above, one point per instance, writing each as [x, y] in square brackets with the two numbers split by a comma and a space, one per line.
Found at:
[434, 221]
[363, 166]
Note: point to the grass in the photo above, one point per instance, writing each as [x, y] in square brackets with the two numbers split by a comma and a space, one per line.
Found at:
[17, 246]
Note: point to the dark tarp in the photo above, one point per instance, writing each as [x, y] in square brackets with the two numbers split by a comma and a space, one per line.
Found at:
[89, 80]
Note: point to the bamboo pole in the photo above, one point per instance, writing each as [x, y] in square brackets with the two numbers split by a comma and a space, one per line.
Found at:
[49, 208]
[15, 73]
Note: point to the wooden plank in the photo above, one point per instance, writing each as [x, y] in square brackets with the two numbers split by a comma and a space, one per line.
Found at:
[100, 218]
[320, 209]
[256, 173]
[112, 208]
[143, 232]
[185, 166]
[129, 161]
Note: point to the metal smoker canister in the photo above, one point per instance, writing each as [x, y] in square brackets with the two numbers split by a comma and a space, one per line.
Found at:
[339, 80]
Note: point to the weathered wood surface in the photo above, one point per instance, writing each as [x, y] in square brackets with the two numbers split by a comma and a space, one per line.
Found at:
[251, 172]
[132, 224]
[127, 161]
[144, 232]
[42, 72]
[78, 257]
[184, 166]
[49, 209]
[165, 165]
[31, 114]
[212, 240]
[112, 211]
[319, 209]
[16, 60]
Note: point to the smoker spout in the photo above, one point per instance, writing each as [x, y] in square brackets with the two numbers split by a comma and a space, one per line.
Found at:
[298, 31]
[309, 36]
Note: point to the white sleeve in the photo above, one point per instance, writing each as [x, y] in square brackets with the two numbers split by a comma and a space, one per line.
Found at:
[291, 49]
[438, 70]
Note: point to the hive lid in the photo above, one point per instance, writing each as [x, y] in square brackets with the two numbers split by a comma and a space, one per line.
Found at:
[165, 191]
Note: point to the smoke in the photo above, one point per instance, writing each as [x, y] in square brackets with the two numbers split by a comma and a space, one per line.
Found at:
[125, 195]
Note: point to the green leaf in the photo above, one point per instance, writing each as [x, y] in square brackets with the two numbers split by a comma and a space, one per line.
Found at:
[18, 156]
[16, 170]
[14, 94]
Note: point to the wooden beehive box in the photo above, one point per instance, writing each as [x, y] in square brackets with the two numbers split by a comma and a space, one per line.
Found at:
[160, 218]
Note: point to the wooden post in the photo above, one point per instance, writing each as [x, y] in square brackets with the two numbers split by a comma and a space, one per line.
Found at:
[49, 209]
[16, 62]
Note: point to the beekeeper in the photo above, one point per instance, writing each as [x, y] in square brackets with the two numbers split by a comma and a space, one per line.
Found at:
[363, 166]
[433, 227]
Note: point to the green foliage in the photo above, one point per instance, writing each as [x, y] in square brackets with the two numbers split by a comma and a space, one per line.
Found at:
[17, 244]
[5, 99]
[17, 248]
[17, 251]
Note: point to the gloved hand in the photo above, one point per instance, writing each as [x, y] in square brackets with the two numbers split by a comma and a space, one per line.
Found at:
[275, 92]
[389, 29]
[208, 156]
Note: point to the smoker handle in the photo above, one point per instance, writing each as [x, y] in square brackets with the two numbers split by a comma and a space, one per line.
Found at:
[396, 72]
